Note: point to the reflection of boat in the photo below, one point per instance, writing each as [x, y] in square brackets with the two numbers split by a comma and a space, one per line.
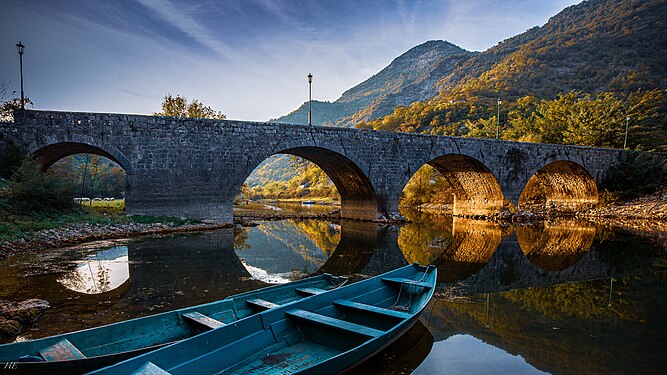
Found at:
[87, 350]
[308, 202]
[325, 334]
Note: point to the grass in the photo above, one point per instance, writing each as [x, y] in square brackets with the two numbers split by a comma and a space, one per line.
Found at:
[299, 200]
[118, 204]
[15, 227]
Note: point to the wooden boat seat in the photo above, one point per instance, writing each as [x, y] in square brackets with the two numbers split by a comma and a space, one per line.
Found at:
[203, 320]
[400, 280]
[149, 368]
[261, 304]
[310, 291]
[372, 309]
[63, 350]
[335, 323]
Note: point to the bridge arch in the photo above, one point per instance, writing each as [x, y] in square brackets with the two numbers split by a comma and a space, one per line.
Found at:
[48, 154]
[359, 199]
[475, 188]
[561, 184]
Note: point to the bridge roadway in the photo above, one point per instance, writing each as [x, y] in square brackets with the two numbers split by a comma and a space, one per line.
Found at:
[195, 167]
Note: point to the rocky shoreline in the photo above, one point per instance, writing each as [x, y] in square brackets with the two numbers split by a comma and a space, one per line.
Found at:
[78, 233]
[14, 315]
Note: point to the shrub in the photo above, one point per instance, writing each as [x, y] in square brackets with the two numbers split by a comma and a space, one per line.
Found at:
[639, 174]
[31, 190]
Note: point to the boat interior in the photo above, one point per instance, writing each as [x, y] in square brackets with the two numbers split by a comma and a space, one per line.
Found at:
[302, 335]
[149, 333]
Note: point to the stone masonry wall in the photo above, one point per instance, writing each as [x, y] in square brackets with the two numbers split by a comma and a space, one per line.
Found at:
[195, 167]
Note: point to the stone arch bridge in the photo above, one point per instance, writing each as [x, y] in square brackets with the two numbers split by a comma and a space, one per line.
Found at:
[195, 167]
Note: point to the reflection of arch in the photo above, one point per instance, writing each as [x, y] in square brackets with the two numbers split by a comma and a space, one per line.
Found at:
[358, 196]
[50, 154]
[358, 242]
[99, 273]
[556, 247]
[424, 241]
[476, 190]
[561, 183]
[473, 244]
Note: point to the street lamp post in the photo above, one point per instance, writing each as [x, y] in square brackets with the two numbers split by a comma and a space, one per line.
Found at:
[20, 47]
[498, 123]
[625, 142]
[310, 98]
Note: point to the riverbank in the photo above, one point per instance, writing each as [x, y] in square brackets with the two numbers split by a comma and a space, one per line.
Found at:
[645, 216]
[73, 234]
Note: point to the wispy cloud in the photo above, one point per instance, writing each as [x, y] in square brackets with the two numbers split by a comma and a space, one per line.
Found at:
[189, 25]
[248, 58]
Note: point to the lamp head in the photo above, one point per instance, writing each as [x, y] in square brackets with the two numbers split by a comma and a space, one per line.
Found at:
[20, 47]
[310, 78]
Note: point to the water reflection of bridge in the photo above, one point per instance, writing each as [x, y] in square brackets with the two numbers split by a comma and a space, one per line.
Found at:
[477, 256]
[480, 256]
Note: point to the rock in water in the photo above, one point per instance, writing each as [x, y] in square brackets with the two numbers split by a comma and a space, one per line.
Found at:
[13, 315]
[9, 327]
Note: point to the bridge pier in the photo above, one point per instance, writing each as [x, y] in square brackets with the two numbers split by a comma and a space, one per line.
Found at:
[164, 195]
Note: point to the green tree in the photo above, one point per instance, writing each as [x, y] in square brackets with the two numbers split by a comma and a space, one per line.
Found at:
[32, 190]
[178, 106]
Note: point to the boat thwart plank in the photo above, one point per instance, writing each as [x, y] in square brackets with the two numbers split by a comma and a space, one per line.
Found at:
[335, 323]
[204, 320]
[400, 280]
[372, 309]
[261, 304]
[149, 368]
[63, 350]
[310, 291]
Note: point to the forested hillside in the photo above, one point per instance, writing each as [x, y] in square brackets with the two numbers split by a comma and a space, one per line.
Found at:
[580, 79]
[591, 71]
[598, 45]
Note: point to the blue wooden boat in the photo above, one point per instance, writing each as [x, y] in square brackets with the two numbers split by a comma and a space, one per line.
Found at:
[324, 334]
[90, 349]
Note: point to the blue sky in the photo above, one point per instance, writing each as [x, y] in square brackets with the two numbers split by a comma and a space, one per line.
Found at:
[246, 58]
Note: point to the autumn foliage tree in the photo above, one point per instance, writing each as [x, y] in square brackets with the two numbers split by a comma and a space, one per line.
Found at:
[178, 106]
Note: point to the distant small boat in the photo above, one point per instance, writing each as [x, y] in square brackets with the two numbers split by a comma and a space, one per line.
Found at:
[90, 349]
[324, 334]
[308, 202]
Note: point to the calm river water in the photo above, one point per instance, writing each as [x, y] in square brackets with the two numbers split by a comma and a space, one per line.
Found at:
[563, 297]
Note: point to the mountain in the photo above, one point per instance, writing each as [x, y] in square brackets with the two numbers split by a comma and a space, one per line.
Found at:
[597, 45]
[589, 72]
[411, 77]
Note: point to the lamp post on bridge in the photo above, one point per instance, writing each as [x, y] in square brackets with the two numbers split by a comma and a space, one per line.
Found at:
[498, 122]
[20, 47]
[310, 98]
